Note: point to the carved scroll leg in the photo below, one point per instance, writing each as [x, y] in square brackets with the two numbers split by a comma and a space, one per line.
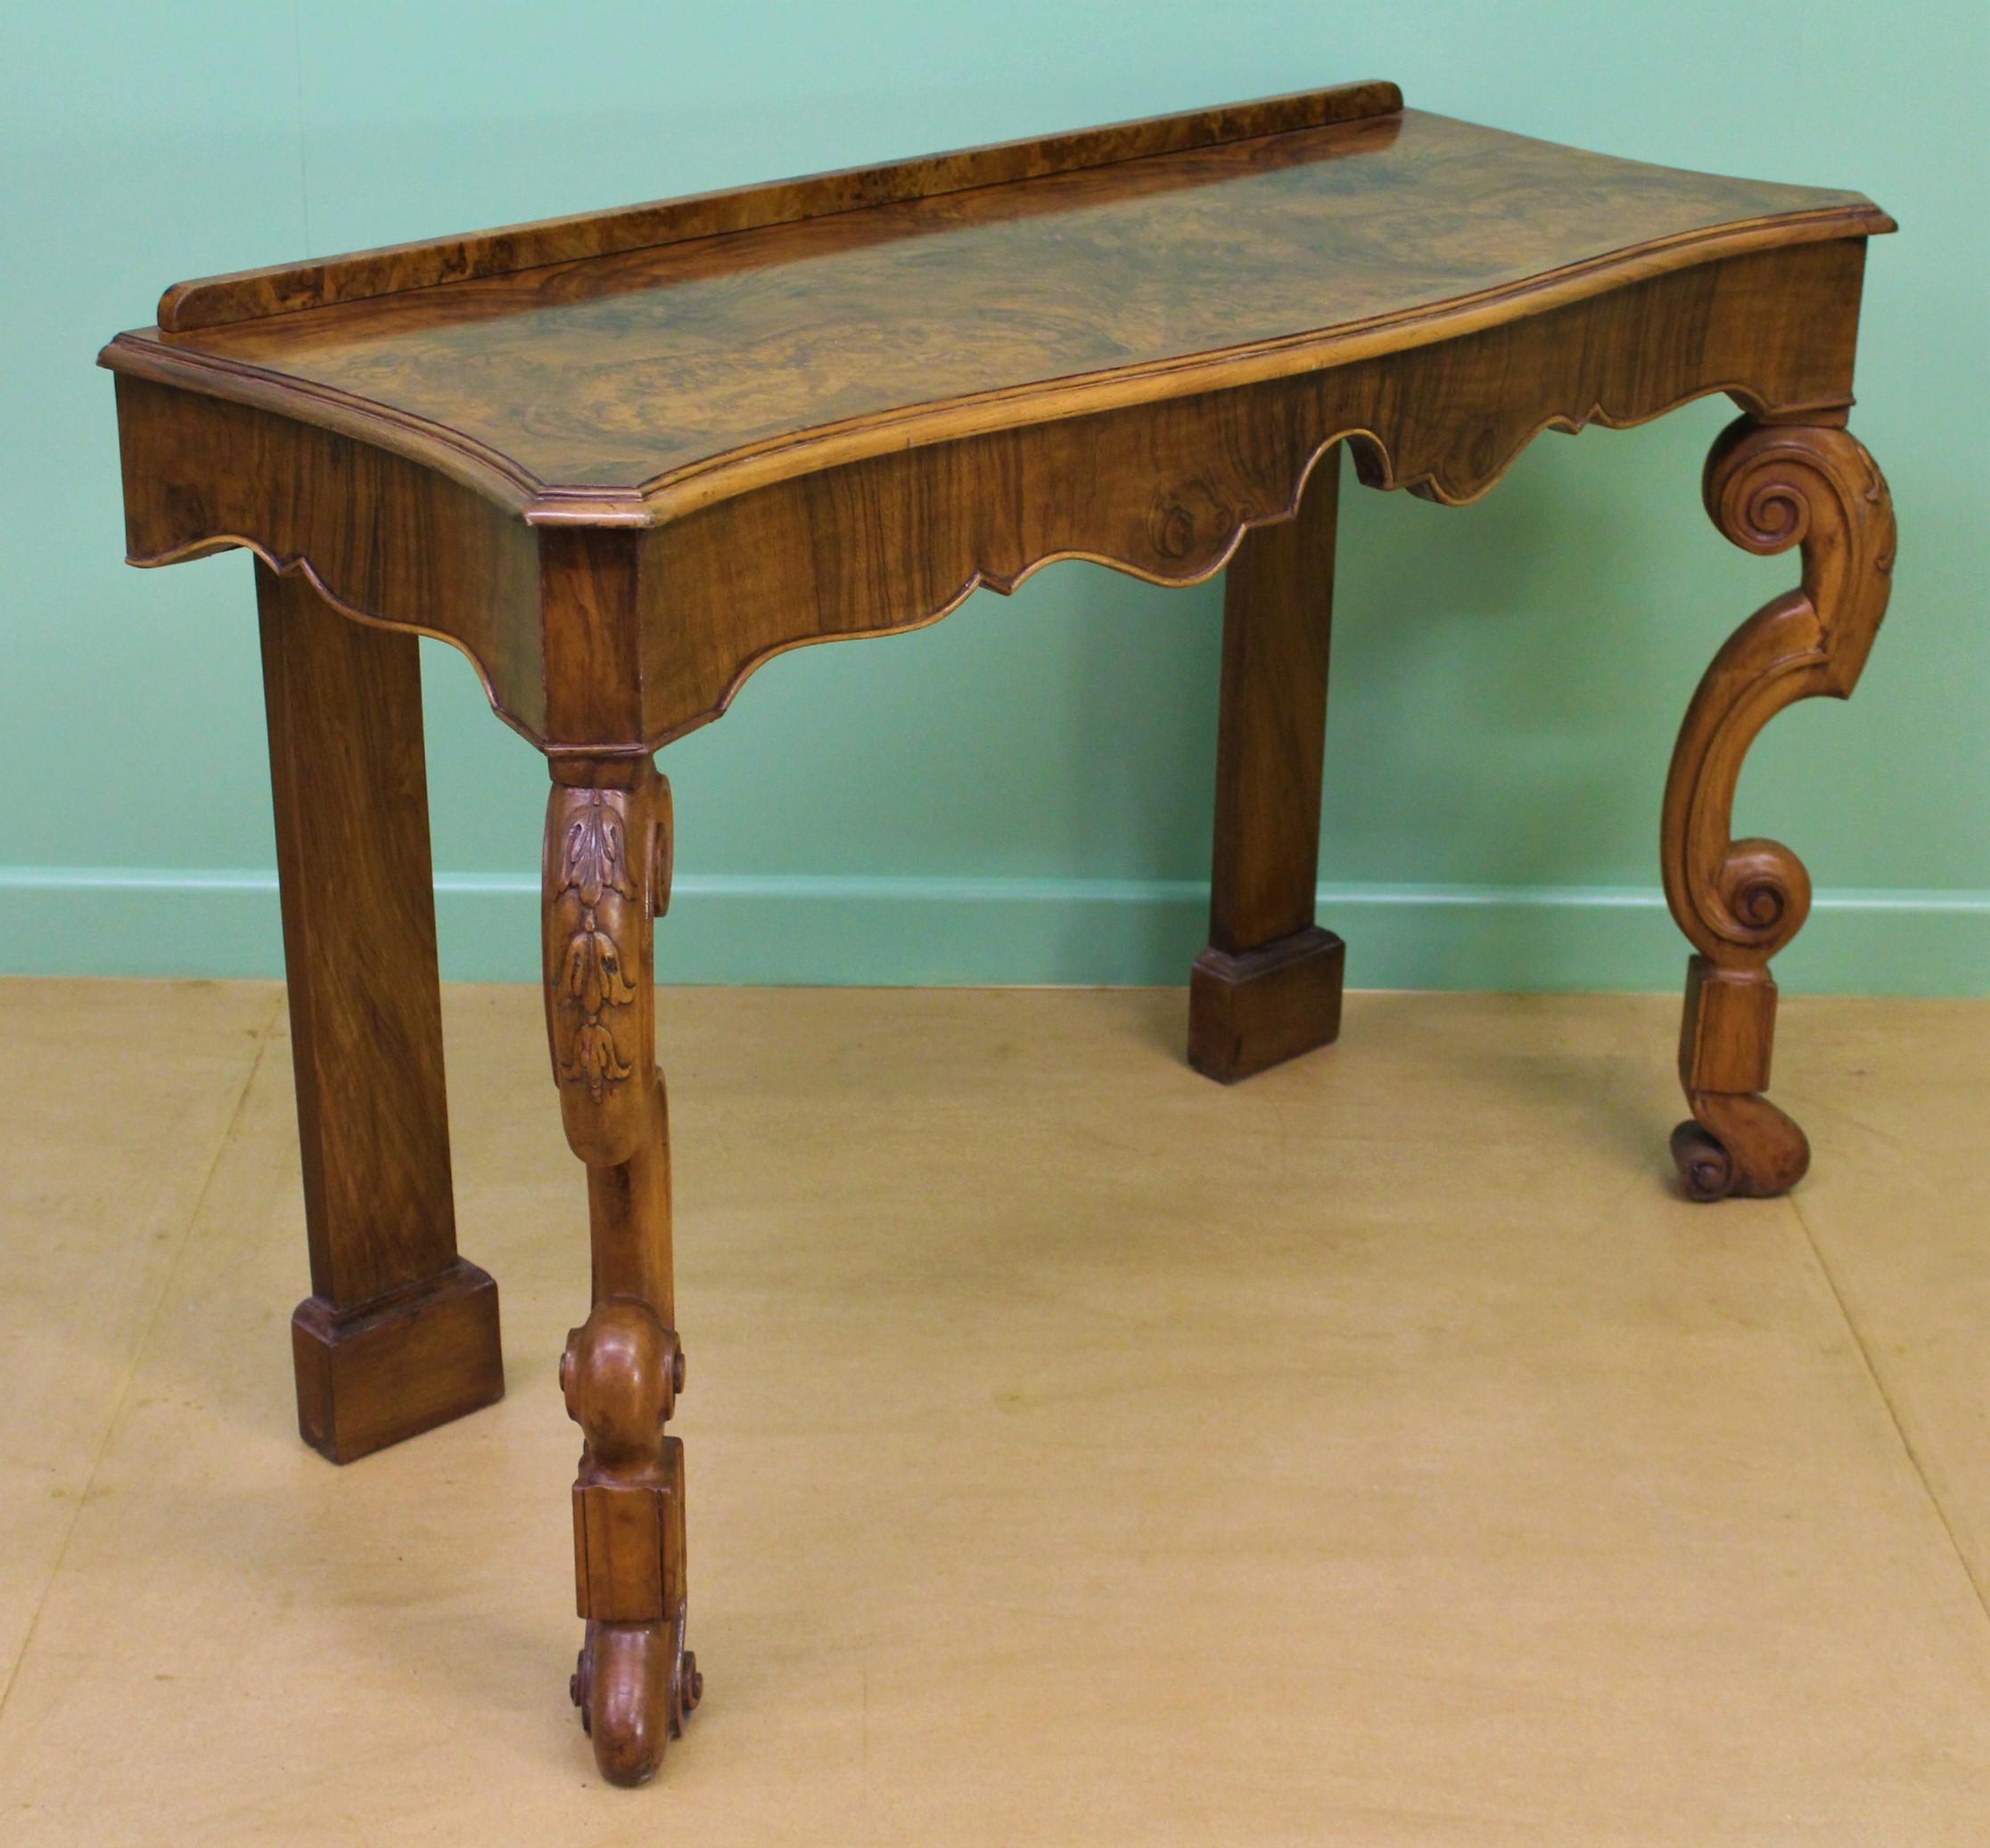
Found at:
[1768, 487]
[1268, 985]
[607, 873]
[398, 1333]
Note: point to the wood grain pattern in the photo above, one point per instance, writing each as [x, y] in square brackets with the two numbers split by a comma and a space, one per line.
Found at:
[621, 461]
[1271, 725]
[659, 380]
[431, 556]
[398, 1333]
[1253, 1009]
[284, 287]
[606, 879]
[1768, 487]
[1167, 491]
[388, 1370]
[615, 639]
[1268, 986]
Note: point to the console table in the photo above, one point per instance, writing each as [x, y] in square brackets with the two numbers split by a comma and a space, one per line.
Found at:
[622, 459]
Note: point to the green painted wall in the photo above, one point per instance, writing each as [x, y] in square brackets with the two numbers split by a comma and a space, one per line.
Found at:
[1021, 793]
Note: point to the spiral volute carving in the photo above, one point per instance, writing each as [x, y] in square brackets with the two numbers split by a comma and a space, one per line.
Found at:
[1761, 896]
[1769, 488]
[1760, 486]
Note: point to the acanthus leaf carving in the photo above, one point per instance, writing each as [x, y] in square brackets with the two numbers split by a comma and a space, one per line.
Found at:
[593, 857]
[601, 863]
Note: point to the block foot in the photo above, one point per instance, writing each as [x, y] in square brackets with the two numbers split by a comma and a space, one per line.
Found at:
[377, 1372]
[1260, 1007]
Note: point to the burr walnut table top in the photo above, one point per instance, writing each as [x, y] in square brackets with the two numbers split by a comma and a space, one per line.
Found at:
[627, 366]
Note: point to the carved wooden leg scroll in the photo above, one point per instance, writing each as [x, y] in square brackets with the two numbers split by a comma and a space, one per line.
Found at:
[607, 877]
[1768, 487]
[1268, 988]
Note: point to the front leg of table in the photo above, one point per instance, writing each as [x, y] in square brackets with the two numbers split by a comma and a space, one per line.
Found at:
[607, 875]
[1768, 487]
[1268, 985]
[399, 1334]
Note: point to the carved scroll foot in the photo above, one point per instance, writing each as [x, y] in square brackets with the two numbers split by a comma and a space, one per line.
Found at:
[1738, 1142]
[621, 1373]
[1768, 487]
[1740, 1145]
[607, 874]
[645, 1671]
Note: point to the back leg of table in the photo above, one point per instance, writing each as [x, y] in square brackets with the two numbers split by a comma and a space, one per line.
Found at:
[1268, 985]
[398, 1333]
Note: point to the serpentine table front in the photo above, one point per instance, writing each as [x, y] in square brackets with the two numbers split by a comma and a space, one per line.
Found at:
[621, 460]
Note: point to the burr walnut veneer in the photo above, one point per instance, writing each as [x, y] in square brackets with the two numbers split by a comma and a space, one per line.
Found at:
[621, 460]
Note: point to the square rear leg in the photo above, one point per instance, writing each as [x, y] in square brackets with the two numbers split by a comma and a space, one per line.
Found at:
[1268, 985]
[399, 1334]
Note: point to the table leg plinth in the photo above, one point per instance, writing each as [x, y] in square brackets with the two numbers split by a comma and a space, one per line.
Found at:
[1256, 1009]
[371, 1375]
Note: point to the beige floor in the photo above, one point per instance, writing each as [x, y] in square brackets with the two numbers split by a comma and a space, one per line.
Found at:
[1378, 1452]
